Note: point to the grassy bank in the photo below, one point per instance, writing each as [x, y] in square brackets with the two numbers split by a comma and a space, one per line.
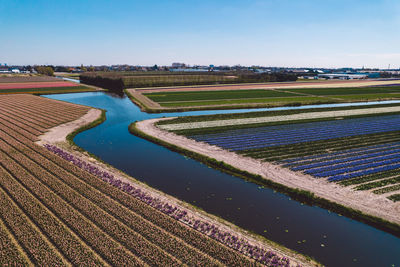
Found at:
[98, 121]
[299, 195]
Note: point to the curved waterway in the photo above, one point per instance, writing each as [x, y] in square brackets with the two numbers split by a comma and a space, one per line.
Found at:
[332, 239]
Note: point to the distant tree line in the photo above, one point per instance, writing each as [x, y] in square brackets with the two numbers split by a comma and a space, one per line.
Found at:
[266, 77]
[388, 75]
[119, 81]
[45, 70]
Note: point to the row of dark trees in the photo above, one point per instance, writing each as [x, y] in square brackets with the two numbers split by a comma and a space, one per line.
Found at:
[45, 70]
[117, 82]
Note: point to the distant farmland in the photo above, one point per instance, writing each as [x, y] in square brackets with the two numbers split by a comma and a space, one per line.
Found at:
[261, 95]
[39, 85]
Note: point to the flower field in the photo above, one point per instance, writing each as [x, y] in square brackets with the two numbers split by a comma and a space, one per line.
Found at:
[38, 86]
[362, 152]
[26, 85]
[57, 210]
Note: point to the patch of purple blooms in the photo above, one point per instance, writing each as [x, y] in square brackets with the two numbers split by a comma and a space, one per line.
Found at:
[263, 256]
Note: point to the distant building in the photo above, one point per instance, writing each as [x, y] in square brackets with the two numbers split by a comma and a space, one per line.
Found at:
[349, 76]
[177, 65]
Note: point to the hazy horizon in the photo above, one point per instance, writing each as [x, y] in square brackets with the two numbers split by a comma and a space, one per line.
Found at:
[282, 33]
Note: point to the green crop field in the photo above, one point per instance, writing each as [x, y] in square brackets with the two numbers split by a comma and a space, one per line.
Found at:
[49, 90]
[271, 97]
[344, 91]
[214, 95]
[270, 101]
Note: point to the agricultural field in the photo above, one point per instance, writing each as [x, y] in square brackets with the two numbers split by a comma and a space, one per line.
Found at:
[39, 85]
[262, 95]
[348, 152]
[57, 210]
[20, 78]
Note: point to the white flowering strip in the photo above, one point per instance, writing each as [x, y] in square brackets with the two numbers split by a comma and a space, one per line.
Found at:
[301, 116]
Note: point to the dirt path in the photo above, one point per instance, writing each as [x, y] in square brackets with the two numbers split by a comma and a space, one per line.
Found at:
[144, 100]
[367, 202]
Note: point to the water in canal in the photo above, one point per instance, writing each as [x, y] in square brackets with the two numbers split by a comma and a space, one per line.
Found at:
[332, 239]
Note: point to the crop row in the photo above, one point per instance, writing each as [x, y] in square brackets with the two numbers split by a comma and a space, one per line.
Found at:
[14, 125]
[27, 117]
[135, 222]
[26, 85]
[316, 126]
[354, 165]
[43, 108]
[339, 155]
[27, 121]
[213, 95]
[270, 137]
[10, 252]
[51, 120]
[340, 162]
[44, 121]
[101, 242]
[387, 189]
[212, 249]
[369, 178]
[38, 248]
[43, 105]
[29, 104]
[63, 201]
[313, 119]
[395, 197]
[283, 153]
[380, 183]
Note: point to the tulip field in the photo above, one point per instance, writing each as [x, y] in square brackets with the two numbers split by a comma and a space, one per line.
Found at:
[57, 210]
[39, 85]
[363, 152]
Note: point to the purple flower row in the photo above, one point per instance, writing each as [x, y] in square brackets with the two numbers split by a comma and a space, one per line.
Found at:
[261, 255]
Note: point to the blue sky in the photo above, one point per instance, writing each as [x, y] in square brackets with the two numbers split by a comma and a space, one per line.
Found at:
[289, 33]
